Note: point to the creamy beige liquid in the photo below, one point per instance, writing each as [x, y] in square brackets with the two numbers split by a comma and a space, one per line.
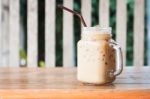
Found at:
[96, 59]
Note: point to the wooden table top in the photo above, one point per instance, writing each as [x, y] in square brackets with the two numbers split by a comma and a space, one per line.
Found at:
[61, 83]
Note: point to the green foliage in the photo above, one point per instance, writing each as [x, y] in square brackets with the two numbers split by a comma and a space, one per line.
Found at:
[59, 40]
[23, 54]
[95, 11]
[130, 5]
[41, 63]
[77, 26]
[112, 19]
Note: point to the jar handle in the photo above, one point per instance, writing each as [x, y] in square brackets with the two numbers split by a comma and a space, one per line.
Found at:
[119, 66]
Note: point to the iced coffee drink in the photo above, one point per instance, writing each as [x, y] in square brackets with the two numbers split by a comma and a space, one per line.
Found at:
[96, 56]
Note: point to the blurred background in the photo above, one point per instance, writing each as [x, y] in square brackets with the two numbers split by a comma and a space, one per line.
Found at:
[77, 29]
[77, 7]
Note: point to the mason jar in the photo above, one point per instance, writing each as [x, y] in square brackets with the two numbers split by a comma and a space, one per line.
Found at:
[99, 57]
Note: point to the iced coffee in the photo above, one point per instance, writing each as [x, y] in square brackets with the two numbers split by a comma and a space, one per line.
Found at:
[96, 56]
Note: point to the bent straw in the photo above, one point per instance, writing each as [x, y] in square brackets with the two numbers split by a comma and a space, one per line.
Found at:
[73, 12]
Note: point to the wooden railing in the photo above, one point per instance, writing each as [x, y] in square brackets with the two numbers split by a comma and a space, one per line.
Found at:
[12, 57]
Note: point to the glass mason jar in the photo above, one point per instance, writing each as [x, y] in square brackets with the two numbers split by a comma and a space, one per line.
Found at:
[99, 58]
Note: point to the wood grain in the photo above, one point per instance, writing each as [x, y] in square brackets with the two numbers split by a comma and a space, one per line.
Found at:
[0, 32]
[104, 13]
[138, 33]
[86, 9]
[32, 36]
[50, 41]
[14, 23]
[5, 33]
[68, 35]
[61, 83]
[122, 26]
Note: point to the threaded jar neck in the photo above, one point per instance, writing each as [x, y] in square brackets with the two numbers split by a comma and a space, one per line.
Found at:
[96, 33]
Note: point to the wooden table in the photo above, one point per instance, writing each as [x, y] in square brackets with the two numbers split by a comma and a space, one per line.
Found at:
[61, 83]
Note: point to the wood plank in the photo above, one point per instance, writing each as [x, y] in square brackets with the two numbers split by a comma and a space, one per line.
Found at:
[104, 13]
[5, 33]
[86, 9]
[148, 31]
[32, 36]
[0, 32]
[139, 32]
[73, 94]
[50, 42]
[68, 36]
[14, 33]
[53, 83]
[121, 28]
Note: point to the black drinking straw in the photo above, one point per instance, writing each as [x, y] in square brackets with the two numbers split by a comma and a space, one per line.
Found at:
[73, 12]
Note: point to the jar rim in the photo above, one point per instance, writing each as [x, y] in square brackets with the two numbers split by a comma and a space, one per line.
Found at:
[97, 29]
